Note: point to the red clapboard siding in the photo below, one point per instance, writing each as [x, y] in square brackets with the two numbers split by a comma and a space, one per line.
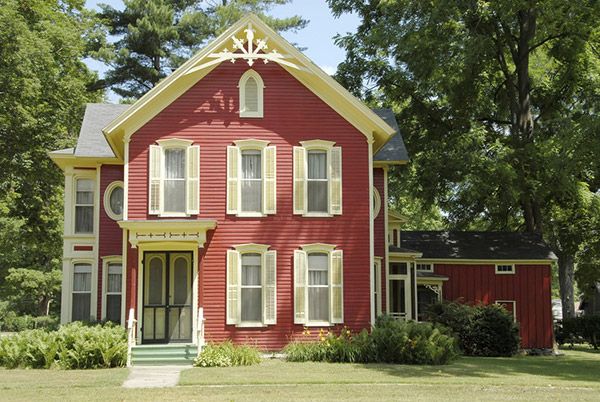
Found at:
[529, 287]
[207, 114]
[110, 234]
[379, 228]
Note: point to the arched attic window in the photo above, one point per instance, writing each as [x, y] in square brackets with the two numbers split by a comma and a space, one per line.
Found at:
[251, 94]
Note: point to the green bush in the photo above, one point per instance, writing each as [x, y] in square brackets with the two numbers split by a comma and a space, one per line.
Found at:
[226, 354]
[342, 348]
[73, 346]
[391, 341]
[583, 329]
[409, 342]
[10, 321]
[482, 330]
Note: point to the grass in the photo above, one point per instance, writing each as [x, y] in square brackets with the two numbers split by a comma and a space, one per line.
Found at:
[574, 376]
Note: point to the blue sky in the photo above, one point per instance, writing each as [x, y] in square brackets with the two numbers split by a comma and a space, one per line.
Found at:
[317, 37]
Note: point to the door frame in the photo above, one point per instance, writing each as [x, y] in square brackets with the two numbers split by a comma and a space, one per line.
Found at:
[168, 273]
[167, 247]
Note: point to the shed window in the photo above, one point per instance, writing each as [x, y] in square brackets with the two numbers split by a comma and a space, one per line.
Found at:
[505, 269]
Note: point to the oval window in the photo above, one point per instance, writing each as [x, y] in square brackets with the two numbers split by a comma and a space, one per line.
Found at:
[113, 200]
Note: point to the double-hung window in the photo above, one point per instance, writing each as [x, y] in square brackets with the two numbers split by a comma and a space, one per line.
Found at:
[318, 285]
[113, 287]
[82, 292]
[317, 178]
[251, 178]
[174, 184]
[251, 285]
[84, 206]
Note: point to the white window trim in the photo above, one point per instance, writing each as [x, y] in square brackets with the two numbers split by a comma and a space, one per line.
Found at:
[321, 248]
[407, 288]
[260, 94]
[107, 193]
[93, 291]
[376, 202]
[250, 145]
[172, 143]
[514, 304]
[91, 175]
[511, 272]
[317, 145]
[111, 259]
[377, 286]
[251, 248]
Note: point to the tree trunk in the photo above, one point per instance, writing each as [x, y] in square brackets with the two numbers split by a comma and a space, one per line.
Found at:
[566, 275]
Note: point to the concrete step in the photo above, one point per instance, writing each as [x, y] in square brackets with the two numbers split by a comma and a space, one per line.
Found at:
[172, 354]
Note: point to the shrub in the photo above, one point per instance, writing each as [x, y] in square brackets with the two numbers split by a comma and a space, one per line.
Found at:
[409, 342]
[73, 346]
[482, 330]
[227, 354]
[10, 321]
[583, 329]
[391, 341]
[342, 348]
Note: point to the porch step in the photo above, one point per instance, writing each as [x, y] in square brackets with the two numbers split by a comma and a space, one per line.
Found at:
[162, 355]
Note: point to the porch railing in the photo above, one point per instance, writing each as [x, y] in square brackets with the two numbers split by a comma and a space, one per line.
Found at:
[131, 334]
[200, 334]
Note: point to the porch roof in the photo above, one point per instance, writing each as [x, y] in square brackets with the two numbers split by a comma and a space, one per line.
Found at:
[168, 230]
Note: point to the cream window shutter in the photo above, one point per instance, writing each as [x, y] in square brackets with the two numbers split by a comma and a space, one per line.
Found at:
[335, 185]
[299, 180]
[193, 180]
[270, 288]
[270, 180]
[337, 287]
[233, 287]
[232, 179]
[300, 287]
[154, 190]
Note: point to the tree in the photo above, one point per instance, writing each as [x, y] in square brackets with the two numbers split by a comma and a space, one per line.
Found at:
[498, 100]
[156, 36]
[30, 291]
[43, 88]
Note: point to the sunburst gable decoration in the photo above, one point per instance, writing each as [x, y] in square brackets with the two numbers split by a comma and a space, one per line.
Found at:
[249, 49]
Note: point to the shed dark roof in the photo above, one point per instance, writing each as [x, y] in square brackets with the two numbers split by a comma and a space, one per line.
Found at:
[477, 245]
[91, 141]
[394, 150]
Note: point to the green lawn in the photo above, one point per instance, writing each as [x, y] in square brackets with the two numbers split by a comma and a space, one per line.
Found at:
[574, 376]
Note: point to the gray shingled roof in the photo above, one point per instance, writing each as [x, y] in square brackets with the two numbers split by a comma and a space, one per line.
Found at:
[477, 245]
[394, 150]
[91, 141]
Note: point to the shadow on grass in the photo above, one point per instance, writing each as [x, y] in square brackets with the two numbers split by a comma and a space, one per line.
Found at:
[577, 365]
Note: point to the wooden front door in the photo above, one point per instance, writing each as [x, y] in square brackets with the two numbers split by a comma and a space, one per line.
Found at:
[167, 297]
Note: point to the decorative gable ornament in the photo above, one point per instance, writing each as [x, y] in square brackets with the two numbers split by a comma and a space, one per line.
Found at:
[250, 49]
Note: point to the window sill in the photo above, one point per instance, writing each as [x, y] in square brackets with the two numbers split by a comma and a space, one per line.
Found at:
[505, 273]
[317, 215]
[319, 324]
[251, 116]
[251, 215]
[174, 215]
[251, 325]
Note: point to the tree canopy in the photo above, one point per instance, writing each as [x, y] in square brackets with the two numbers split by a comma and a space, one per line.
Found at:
[156, 36]
[44, 85]
[498, 101]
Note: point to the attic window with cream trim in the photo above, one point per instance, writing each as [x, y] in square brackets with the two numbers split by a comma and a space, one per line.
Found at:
[251, 94]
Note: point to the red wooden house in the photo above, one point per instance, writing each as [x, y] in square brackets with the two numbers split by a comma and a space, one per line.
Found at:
[244, 198]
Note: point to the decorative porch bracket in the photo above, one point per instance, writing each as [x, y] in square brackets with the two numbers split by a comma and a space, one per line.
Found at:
[149, 231]
[250, 50]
